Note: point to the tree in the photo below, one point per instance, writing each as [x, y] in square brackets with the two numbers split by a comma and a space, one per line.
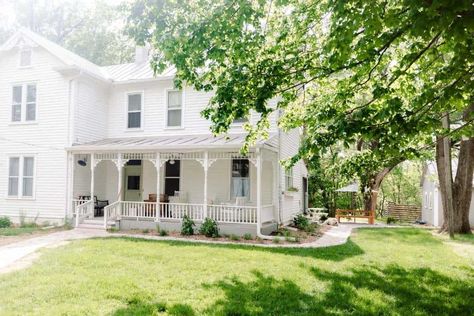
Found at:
[93, 32]
[375, 75]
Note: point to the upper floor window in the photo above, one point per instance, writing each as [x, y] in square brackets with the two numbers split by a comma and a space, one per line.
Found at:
[25, 57]
[134, 110]
[240, 185]
[21, 176]
[288, 178]
[175, 109]
[24, 103]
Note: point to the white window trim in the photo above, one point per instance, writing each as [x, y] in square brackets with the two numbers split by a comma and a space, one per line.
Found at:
[289, 173]
[231, 198]
[20, 176]
[22, 49]
[24, 96]
[142, 114]
[167, 91]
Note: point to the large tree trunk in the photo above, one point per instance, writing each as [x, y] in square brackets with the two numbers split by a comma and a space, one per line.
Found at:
[370, 195]
[461, 190]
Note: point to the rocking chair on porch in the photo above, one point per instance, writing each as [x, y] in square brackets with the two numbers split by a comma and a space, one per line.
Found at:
[99, 205]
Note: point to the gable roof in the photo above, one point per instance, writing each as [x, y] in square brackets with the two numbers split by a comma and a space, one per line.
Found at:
[117, 73]
[66, 56]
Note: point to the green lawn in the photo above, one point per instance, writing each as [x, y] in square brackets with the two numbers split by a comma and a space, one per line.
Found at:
[465, 238]
[15, 231]
[379, 271]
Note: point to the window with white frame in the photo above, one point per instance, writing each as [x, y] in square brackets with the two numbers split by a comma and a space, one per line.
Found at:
[288, 178]
[21, 176]
[175, 109]
[25, 57]
[134, 110]
[240, 183]
[24, 103]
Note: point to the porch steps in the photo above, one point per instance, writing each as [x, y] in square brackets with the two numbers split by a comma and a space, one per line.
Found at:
[94, 223]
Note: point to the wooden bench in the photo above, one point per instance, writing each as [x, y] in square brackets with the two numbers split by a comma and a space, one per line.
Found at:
[370, 215]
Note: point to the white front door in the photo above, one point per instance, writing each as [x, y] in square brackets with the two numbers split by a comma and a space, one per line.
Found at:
[133, 183]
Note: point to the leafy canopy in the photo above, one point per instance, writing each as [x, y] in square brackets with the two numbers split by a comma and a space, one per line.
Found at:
[376, 75]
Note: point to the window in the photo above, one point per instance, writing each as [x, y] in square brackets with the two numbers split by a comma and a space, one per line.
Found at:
[240, 121]
[288, 178]
[21, 176]
[134, 109]
[24, 103]
[175, 109]
[240, 183]
[25, 57]
[172, 174]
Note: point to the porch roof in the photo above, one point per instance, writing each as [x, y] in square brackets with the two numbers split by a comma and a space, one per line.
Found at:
[179, 142]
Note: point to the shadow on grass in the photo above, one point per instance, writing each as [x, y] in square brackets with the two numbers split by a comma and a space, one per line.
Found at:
[139, 308]
[367, 290]
[334, 253]
[400, 291]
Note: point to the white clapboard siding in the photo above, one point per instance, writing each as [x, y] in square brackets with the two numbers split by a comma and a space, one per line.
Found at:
[291, 202]
[46, 139]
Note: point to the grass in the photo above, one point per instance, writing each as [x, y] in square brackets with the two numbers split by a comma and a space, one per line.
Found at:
[465, 238]
[378, 272]
[16, 231]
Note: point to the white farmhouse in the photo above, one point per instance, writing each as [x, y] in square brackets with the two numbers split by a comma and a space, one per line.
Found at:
[71, 130]
[431, 206]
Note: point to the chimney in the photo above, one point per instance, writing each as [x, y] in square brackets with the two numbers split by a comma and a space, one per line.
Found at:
[141, 55]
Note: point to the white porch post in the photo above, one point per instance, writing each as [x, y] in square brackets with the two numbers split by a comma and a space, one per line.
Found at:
[259, 191]
[158, 186]
[276, 193]
[120, 176]
[92, 182]
[206, 168]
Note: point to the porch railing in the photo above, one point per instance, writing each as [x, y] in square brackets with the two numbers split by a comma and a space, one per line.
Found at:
[233, 214]
[176, 211]
[82, 209]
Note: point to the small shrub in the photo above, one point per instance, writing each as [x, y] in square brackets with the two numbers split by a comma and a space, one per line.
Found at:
[187, 228]
[28, 224]
[310, 229]
[297, 239]
[391, 220]
[163, 233]
[248, 236]
[145, 231]
[5, 222]
[209, 228]
[301, 221]
[258, 239]
[113, 229]
[276, 240]
[234, 237]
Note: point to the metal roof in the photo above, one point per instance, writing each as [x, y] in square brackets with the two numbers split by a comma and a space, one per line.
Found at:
[181, 142]
[134, 71]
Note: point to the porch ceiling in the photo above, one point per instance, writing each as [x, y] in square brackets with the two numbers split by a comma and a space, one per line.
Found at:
[179, 142]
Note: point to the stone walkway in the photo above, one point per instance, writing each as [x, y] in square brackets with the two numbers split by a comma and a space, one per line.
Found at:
[12, 253]
[20, 254]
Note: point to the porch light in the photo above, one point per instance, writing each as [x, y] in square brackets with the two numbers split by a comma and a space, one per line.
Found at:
[172, 162]
[82, 162]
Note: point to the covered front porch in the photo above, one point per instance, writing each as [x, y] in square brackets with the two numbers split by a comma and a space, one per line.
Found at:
[141, 188]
